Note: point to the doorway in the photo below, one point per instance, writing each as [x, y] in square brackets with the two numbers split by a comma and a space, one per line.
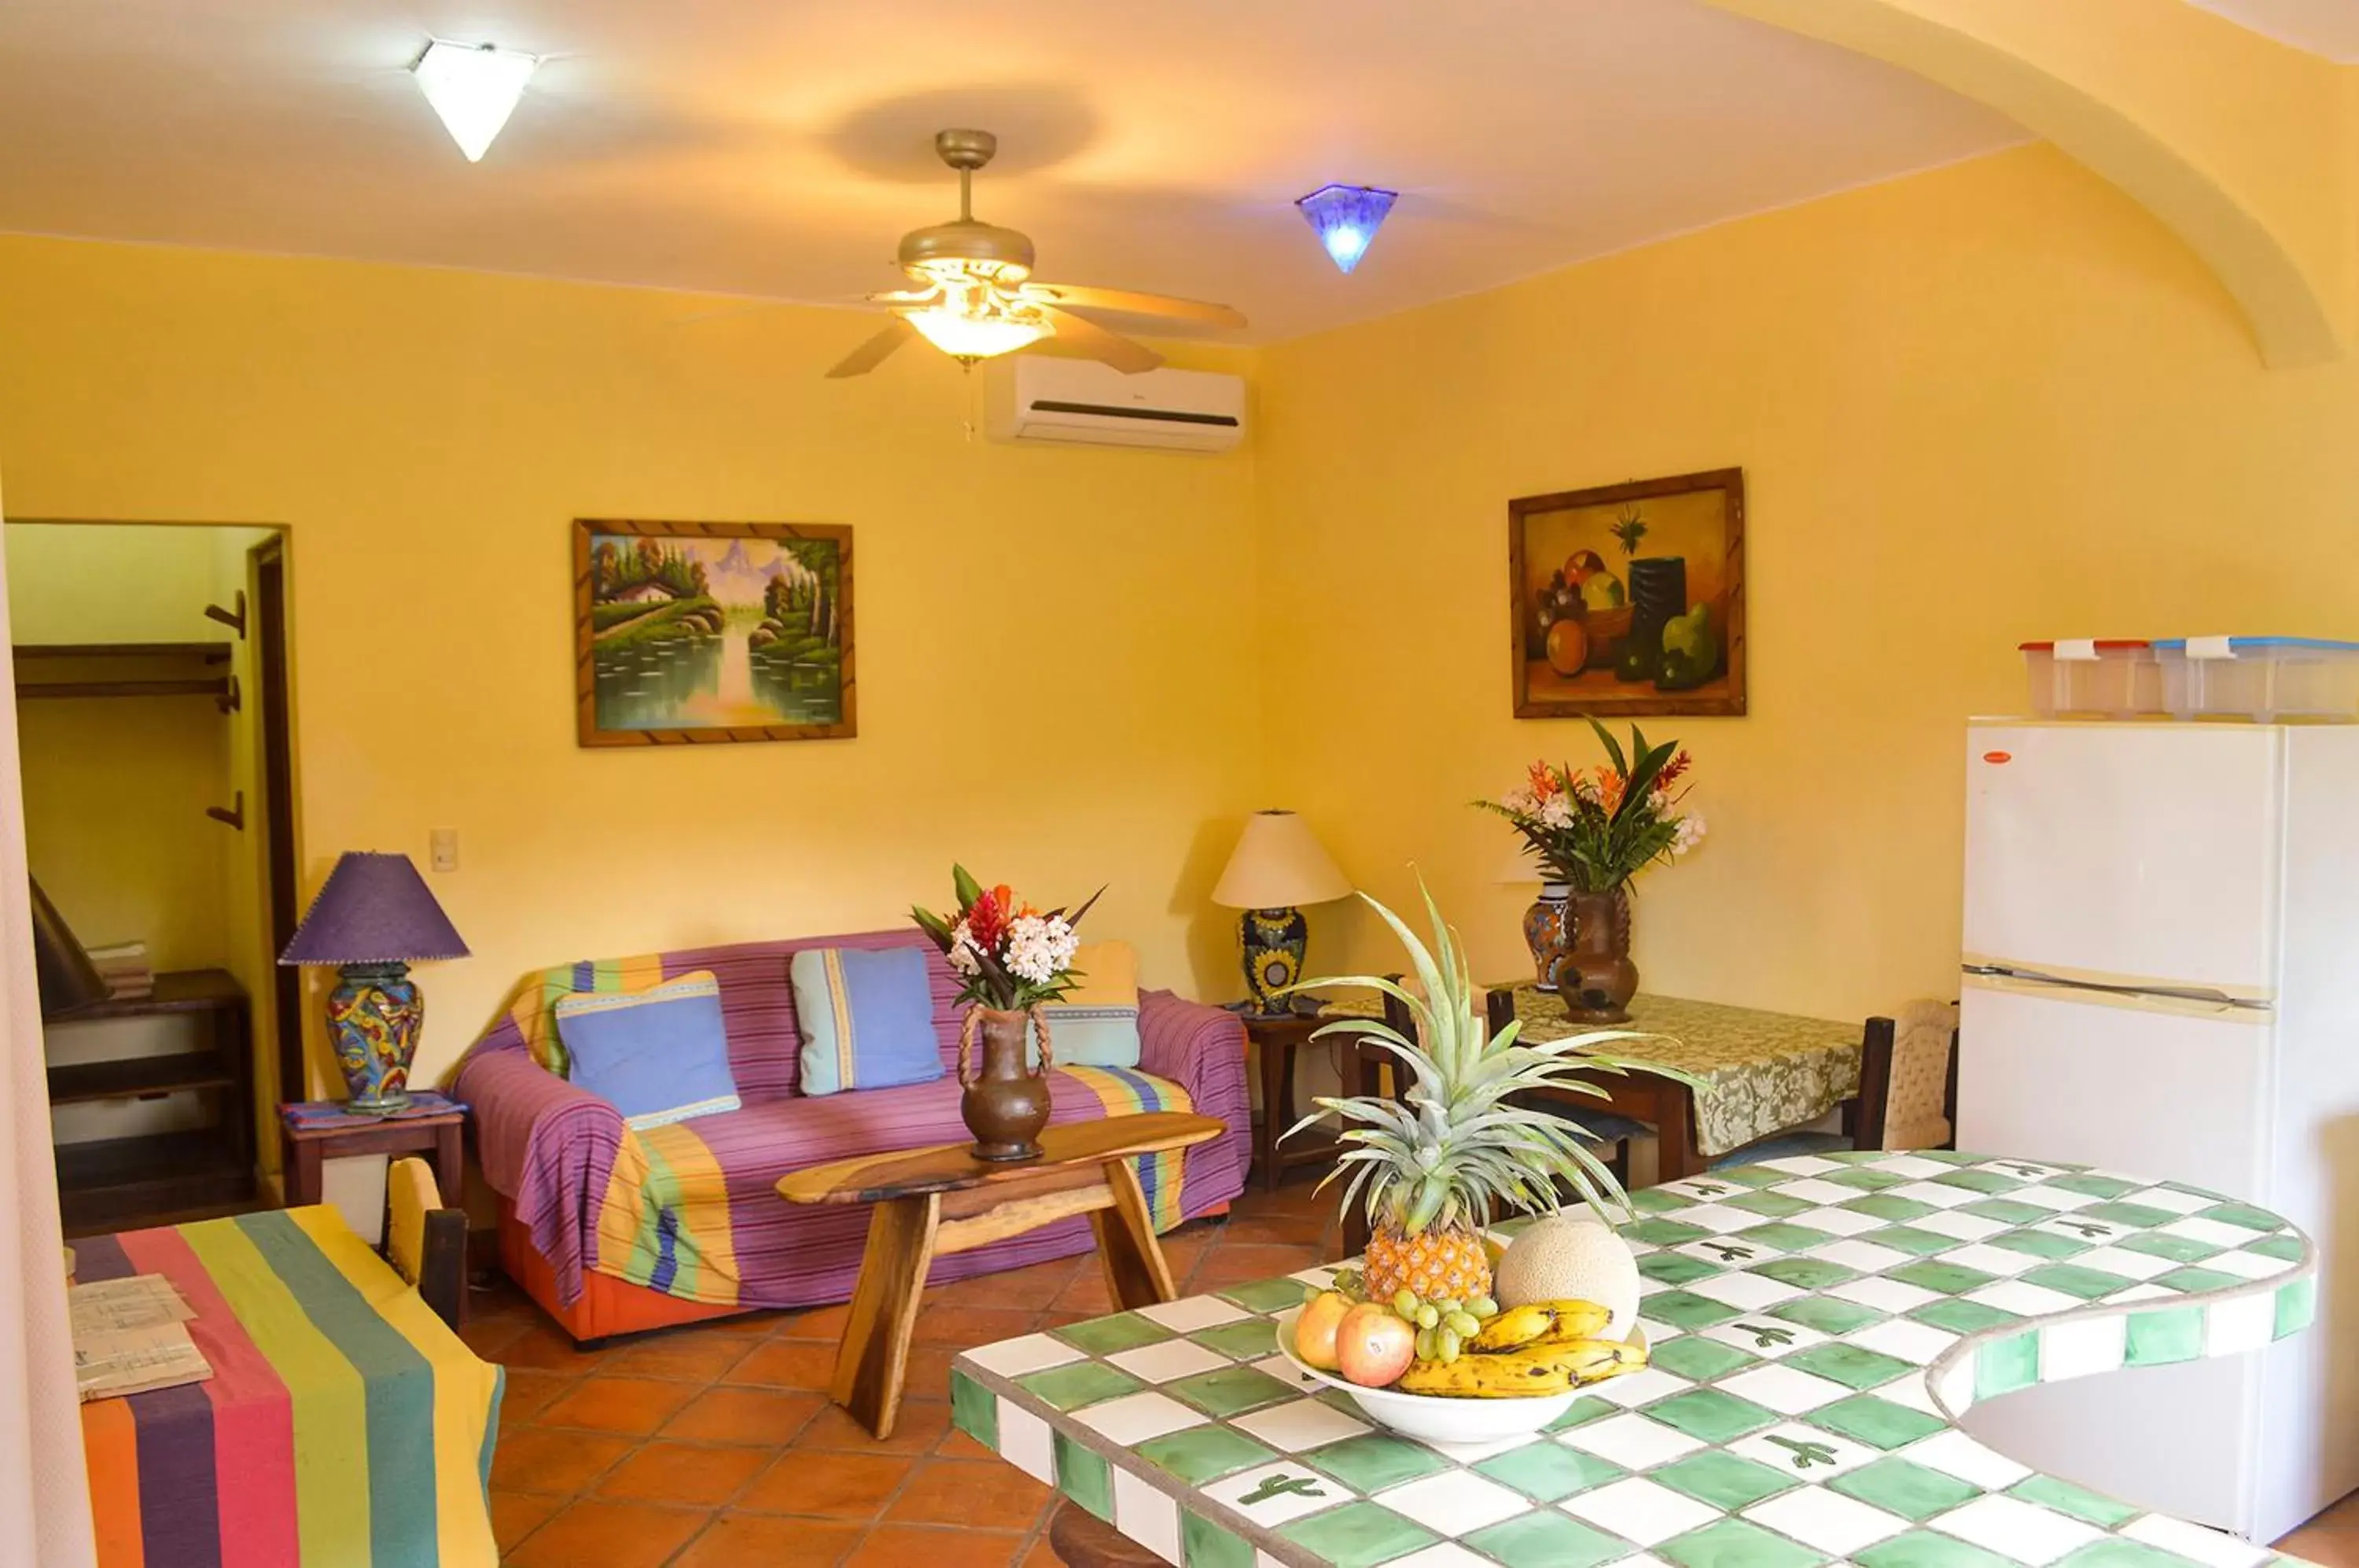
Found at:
[153, 683]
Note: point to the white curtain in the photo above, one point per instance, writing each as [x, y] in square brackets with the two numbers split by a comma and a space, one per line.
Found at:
[44, 1492]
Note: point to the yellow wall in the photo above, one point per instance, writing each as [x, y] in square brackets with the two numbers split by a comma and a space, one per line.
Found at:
[1055, 647]
[1987, 404]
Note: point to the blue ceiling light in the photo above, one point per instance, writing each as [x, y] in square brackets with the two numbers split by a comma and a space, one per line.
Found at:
[1347, 218]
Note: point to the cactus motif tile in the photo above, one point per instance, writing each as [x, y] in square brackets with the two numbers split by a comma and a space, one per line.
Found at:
[1818, 1325]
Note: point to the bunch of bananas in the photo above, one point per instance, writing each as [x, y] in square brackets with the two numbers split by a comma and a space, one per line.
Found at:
[1545, 1348]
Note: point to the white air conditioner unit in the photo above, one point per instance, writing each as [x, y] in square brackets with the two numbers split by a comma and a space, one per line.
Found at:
[1034, 398]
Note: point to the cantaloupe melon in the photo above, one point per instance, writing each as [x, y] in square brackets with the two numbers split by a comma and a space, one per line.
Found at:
[1570, 1257]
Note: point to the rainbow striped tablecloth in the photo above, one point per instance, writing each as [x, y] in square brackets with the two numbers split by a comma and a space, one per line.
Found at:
[344, 1426]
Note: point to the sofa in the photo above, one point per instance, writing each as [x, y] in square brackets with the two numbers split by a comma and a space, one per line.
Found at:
[614, 1230]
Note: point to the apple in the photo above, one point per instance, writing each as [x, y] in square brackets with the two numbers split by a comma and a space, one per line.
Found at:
[1373, 1345]
[1314, 1330]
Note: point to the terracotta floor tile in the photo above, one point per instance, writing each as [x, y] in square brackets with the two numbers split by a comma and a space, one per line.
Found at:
[1086, 1294]
[609, 1535]
[987, 1493]
[1237, 1263]
[527, 1393]
[538, 1459]
[636, 1405]
[515, 1515]
[1042, 1555]
[750, 1326]
[965, 1327]
[787, 1364]
[1060, 1319]
[761, 1418]
[900, 1545]
[956, 1444]
[918, 1429]
[546, 1349]
[1295, 1230]
[1034, 1287]
[823, 1322]
[766, 1541]
[488, 1336]
[696, 1355]
[2328, 1545]
[690, 1474]
[829, 1486]
[928, 1373]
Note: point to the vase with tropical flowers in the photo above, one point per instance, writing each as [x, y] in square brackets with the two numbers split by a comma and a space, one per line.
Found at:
[1592, 830]
[1009, 958]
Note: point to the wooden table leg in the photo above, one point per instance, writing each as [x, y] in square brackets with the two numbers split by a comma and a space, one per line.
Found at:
[1135, 1273]
[874, 1359]
[450, 1164]
[302, 1171]
[1676, 1157]
[1277, 1105]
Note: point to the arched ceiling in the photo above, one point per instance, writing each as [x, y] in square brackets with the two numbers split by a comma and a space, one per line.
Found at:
[778, 147]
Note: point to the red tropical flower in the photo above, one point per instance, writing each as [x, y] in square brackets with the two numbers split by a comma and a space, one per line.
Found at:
[987, 922]
[1671, 771]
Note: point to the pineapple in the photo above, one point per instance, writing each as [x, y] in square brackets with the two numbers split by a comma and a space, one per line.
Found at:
[1438, 1164]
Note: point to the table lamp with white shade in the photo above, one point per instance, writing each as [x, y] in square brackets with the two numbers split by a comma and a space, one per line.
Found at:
[1278, 865]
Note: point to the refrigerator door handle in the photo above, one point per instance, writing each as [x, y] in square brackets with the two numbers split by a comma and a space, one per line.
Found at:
[2202, 995]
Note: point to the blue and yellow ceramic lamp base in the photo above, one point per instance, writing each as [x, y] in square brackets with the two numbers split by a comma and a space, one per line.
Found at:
[1273, 942]
[373, 1017]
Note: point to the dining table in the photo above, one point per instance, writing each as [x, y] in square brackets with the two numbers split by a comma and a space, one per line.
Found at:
[1818, 1325]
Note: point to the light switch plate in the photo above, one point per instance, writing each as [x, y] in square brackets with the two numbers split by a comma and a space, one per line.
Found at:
[446, 849]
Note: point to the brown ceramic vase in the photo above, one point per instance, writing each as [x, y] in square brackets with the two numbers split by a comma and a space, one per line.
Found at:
[1595, 978]
[1006, 1104]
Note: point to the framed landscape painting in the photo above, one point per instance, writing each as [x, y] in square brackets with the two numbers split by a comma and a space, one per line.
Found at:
[1629, 600]
[692, 632]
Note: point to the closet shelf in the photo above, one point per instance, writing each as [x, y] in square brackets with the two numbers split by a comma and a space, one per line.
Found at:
[124, 669]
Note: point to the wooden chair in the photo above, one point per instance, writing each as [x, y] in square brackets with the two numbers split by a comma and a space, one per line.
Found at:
[1908, 1091]
[1082, 1539]
[1613, 1132]
[426, 1243]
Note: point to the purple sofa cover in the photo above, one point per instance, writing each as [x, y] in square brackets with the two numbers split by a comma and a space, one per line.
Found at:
[549, 1147]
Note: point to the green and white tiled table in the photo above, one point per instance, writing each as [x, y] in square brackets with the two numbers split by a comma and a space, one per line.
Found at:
[1817, 1324]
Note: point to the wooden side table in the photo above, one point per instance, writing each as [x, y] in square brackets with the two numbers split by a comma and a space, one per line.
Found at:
[318, 1130]
[1279, 1038]
[936, 1202]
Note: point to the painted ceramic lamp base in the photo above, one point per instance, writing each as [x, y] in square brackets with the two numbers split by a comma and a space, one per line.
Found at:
[373, 1017]
[1273, 942]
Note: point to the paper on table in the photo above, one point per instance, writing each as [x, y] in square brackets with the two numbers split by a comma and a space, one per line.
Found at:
[114, 1306]
[162, 1355]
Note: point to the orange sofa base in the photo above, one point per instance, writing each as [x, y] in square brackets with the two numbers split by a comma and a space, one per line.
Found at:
[608, 1306]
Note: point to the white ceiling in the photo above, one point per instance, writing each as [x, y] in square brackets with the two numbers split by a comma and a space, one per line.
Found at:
[778, 147]
[2328, 28]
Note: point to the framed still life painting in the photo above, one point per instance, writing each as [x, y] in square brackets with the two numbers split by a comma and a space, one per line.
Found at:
[1629, 600]
[693, 633]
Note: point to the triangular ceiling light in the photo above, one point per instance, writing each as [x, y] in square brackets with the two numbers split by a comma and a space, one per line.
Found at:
[475, 88]
[1347, 218]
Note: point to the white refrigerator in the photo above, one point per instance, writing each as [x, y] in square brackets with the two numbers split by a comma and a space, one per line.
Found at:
[2162, 977]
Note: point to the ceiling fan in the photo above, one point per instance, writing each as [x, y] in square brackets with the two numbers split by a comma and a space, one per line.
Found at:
[975, 298]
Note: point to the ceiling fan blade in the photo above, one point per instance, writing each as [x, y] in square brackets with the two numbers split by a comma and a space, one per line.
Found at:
[1135, 304]
[873, 352]
[1112, 348]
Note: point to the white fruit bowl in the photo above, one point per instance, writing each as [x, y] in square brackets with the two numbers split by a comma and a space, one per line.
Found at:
[1435, 1418]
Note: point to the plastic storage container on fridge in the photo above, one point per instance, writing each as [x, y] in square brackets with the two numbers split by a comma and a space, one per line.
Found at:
[2114, 679]
[2264, 678]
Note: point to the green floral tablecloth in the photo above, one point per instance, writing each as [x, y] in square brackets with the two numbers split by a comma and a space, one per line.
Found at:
[1762, 1073]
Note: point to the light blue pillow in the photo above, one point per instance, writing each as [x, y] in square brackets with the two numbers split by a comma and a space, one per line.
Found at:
[1095, 1024]
[659, 1055]
[866, 1017]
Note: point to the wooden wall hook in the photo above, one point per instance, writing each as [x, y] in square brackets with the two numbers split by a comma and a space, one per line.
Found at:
[234, 619]
[229, 700]
[235, 815]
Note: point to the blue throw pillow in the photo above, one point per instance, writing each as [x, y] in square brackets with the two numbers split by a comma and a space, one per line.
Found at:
[658, 1055]
[867, 1018]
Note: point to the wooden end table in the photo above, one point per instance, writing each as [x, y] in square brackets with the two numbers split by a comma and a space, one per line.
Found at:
[318, 1130]
[1279, 1038]
[932, 1203]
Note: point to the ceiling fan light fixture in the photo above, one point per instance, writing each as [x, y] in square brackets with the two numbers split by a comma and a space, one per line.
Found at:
[967, 337]
[474, 89]
[1346, 218]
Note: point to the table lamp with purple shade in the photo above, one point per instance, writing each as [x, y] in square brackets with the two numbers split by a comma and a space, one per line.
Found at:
[373, 920]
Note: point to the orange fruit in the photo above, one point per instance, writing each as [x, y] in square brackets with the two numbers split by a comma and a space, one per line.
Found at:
[1567, 648]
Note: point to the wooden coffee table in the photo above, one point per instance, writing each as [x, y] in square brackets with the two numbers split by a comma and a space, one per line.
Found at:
[932, 1203]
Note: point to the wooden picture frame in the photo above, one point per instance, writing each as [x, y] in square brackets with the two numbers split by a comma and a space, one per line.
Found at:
[1584, 587]
[746, 633]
